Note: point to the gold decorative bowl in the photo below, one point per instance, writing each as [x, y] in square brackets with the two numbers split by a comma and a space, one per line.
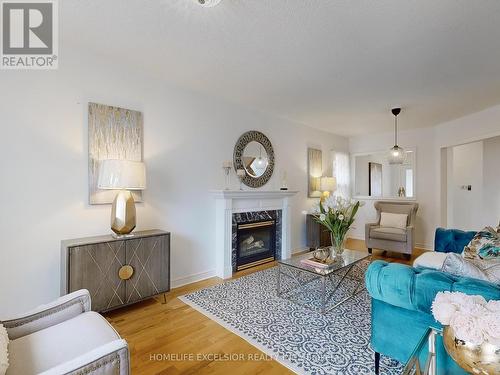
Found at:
[322, 254]
[476, 359]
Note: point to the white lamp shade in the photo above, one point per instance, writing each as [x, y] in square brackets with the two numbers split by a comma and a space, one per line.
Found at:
[328, 184]
[122, 174]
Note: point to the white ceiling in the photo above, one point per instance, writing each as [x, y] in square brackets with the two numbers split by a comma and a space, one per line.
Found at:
[338, 65]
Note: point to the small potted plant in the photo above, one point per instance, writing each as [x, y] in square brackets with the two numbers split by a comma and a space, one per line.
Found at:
[337, 214]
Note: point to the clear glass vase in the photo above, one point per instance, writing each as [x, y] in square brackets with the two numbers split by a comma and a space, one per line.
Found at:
[338, 244]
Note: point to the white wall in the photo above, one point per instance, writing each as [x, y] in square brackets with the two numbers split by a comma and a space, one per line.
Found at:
[361, 174]
[467, 169]
[491, 181]
[474, 164]
[418, 139]
[187, 136]
[428, 143]
[470, 128]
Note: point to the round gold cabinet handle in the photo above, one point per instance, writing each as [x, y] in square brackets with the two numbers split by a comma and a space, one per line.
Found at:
[126, 272]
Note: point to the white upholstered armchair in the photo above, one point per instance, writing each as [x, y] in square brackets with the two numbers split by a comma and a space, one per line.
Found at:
[65, 337]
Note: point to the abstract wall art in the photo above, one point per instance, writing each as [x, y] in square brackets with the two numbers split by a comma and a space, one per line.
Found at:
[314, 172]
[374, 179]
[114, 133]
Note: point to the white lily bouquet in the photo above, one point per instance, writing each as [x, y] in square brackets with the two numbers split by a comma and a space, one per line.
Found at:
[472, 319]
[337, 214]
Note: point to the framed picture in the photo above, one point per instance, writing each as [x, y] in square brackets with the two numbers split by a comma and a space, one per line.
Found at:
[314, 172]
[374, 179]
[114, 133]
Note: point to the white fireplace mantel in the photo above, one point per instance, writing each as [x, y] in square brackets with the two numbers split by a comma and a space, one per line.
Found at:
[229, 202]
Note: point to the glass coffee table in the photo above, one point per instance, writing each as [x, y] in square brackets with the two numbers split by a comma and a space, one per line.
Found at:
[331, 278]
[430, 358]
[423, 359]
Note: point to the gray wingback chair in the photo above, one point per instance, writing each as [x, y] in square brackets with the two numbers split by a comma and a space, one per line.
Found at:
[393, 239]
[65, 337]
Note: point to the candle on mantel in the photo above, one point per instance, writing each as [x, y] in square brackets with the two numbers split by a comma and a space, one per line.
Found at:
[240, 173]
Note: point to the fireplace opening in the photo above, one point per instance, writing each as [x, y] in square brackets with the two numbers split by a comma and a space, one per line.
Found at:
[256, 243]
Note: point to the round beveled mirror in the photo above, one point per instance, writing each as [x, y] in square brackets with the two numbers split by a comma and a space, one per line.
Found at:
[255, 160]
[254, 154]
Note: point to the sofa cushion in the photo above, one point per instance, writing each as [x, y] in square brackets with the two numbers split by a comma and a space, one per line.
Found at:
[451, 240]
[386, 233]
[488, 270]
[388, 219]
[47, 348]
[485, 245]
[430, 259]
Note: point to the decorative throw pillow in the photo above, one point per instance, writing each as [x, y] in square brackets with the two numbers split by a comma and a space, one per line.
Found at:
[485, 245]
[430, 259]
[391, 220]
[488, 270]
[4, 354]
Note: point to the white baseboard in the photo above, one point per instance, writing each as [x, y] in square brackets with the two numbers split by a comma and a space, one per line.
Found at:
[192, 278]
[181, 281]
[300, 250]
[355, 237]
[422, 246]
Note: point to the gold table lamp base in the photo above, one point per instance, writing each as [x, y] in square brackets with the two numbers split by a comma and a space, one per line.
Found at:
[123, 214]
[324, 196]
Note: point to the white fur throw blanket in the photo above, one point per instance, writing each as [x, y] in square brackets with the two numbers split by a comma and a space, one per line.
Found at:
[4, 355]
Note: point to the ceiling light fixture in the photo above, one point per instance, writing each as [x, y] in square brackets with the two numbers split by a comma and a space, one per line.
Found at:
[208, 3]
[260, 162]
[396, 154]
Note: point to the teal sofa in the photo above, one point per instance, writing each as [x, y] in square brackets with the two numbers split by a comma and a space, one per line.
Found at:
[401, 298]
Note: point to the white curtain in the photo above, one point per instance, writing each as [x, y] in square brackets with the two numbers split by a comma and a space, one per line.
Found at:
[341, 171]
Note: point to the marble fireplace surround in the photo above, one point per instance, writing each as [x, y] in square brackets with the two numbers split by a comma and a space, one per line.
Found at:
[231, 202]
[247, 217]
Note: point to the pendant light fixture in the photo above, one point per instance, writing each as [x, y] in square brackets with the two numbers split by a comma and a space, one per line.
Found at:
[260, 161]
[208, 3]
[396, 154]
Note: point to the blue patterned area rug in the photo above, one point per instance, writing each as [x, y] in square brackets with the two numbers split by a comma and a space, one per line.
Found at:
[305, 341]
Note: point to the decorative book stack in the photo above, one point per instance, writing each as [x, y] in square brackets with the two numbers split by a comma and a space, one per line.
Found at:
[313, 262]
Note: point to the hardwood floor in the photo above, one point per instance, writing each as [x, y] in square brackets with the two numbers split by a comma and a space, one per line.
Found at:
[173, 338]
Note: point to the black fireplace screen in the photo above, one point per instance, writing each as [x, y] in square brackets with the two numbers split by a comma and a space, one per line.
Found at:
[256, 243]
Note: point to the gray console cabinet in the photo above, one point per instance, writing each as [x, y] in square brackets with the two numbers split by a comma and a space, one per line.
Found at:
[117, 272]
[317, 234]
